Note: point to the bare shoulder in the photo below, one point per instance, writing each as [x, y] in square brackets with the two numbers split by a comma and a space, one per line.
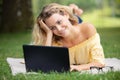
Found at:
[88, 29]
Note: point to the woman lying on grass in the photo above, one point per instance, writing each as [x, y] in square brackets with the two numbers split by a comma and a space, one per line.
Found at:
[57, 25]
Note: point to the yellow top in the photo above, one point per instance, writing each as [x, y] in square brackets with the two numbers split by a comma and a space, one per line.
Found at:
[87, 51]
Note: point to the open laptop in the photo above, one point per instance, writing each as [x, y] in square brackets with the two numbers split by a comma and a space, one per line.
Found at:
[46, 59]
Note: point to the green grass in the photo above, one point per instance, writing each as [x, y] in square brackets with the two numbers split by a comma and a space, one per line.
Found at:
[11, 46]
[101, 18]
[110, 39]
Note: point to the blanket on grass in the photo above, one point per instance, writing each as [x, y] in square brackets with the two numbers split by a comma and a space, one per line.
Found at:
[17, 66]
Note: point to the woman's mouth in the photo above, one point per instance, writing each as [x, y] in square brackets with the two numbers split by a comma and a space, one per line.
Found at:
[61, 32]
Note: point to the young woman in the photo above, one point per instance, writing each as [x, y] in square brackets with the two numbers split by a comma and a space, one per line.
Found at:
[58, 26]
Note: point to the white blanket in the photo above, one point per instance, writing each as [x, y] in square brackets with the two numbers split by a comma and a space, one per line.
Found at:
[17, 65]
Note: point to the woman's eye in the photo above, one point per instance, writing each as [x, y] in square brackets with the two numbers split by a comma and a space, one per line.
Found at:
[53, 28]
[59, 22]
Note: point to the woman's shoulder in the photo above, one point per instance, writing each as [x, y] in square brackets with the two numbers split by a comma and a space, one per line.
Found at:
[88, 29]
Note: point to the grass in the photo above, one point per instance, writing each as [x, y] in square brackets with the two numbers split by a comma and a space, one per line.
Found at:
[11, 46]
[110, 39]
[101, 18]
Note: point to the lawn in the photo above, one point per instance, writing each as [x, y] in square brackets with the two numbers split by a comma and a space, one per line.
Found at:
[11, 46]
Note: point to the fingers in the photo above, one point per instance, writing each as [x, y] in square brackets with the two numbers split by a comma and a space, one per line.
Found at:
[72, 68]
[45, 27]
[75, 68]
[42, 23]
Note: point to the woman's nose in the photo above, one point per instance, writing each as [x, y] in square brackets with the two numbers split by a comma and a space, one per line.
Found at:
[59, 28]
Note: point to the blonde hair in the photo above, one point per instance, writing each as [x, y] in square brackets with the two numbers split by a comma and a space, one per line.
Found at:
[39, 35]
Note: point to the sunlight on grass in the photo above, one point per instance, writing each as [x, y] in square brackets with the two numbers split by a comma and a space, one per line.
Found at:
[100, 20]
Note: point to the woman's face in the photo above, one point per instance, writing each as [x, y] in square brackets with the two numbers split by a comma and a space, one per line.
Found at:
[59, 24]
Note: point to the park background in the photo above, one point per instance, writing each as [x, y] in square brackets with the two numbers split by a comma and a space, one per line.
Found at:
[17, 19]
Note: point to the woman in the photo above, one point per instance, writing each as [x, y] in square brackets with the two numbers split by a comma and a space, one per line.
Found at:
[57, 26]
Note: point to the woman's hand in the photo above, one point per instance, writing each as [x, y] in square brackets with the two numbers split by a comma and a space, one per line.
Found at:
[85, 66]
[45, 27]
[49, 33]
[74, 68]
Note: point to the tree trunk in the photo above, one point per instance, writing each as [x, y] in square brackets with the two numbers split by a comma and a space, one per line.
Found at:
[0, 13]
[16, 15]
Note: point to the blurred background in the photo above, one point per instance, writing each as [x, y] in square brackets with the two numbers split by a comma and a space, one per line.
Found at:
[19, 15]
[17, 18]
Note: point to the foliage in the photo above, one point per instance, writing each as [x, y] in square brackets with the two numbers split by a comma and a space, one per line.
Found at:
[12, 21]
[101, 18]
[84, 4]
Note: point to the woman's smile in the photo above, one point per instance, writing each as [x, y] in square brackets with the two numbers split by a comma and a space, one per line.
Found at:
[62, 31]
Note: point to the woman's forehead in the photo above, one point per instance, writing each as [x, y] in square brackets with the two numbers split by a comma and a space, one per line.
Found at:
[53, 19]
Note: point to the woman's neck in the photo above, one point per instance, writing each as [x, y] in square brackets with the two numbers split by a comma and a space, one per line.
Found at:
[73, 38]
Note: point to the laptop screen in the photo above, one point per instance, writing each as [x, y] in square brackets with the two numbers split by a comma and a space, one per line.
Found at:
[46, 58]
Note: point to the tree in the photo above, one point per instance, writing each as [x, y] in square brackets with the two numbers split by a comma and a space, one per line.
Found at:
[16, 15]
[117, 11]
[0, 12]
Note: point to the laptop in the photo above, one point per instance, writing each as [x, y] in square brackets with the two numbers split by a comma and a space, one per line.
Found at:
[46, 59]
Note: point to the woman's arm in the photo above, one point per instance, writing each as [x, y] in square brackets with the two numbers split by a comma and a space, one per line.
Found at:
[85, 66]
[48, 41]
[49, 34]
